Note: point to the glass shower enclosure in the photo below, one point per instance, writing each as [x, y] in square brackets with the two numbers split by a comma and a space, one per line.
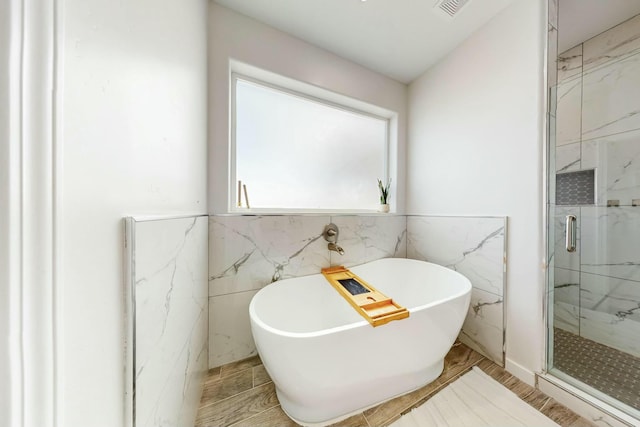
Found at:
[593, 205]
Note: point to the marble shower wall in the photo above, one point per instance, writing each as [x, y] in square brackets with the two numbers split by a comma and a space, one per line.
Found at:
[475, 247]
[168, 318]
[597, 288]
[598, 112]
[247, 253]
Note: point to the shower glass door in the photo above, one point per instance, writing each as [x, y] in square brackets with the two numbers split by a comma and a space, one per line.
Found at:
[594, 201]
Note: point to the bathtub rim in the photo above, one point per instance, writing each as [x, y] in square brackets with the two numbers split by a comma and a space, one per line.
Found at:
[254, 318]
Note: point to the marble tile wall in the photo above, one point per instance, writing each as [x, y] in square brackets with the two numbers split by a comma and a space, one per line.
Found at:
[569, 101]
[247, 253]
[598, 112]
[552, 62]
[611, 98]
[169, 317]
[570, 63]
[475, 247]
[614, 44]
[597, 288]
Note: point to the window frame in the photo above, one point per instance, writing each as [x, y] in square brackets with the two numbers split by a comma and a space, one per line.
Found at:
[308, 93]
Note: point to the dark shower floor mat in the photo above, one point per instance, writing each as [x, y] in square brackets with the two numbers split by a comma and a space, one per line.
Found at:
[611, 371]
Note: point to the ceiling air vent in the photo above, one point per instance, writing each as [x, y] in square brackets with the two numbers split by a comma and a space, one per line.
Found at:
[451, 7]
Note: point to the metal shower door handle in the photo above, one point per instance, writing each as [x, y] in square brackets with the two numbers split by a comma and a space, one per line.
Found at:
[570, 233]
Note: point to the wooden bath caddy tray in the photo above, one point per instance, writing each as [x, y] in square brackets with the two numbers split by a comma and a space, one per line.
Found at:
[374, 306]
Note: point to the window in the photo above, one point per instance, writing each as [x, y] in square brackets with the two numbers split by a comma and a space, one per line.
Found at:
[293, 151]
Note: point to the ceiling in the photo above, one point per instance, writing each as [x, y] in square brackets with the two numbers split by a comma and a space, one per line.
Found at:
[398, 38]
[403, 38]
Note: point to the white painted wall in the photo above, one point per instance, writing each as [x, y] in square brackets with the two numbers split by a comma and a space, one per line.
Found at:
[475, 148]
[235, 36]
[132, 135]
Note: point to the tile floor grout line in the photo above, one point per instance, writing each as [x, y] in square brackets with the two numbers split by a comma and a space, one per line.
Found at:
[209, 404]
[545, 404]
[243, 419]
[237, 362]
[228, 397]
[219, 379]
[253, 416]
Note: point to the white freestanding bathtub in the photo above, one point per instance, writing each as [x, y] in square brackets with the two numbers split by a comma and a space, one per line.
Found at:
[328, 363]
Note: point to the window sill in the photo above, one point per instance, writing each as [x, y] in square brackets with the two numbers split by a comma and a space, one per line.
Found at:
[309, 212]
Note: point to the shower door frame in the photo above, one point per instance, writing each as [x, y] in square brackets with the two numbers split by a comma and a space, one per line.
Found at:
[572, 388]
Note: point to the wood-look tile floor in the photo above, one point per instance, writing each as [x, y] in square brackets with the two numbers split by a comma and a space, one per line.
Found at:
[242, 394]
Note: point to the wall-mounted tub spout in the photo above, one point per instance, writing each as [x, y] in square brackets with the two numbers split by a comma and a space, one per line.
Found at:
[334, 247]
[330, 234]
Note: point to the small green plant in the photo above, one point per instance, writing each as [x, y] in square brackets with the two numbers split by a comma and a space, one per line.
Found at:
[384, 191]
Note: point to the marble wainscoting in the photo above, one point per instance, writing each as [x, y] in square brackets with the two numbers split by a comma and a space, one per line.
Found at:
[247, 253]
[368, 238]
[167, 318]
[475, 247]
